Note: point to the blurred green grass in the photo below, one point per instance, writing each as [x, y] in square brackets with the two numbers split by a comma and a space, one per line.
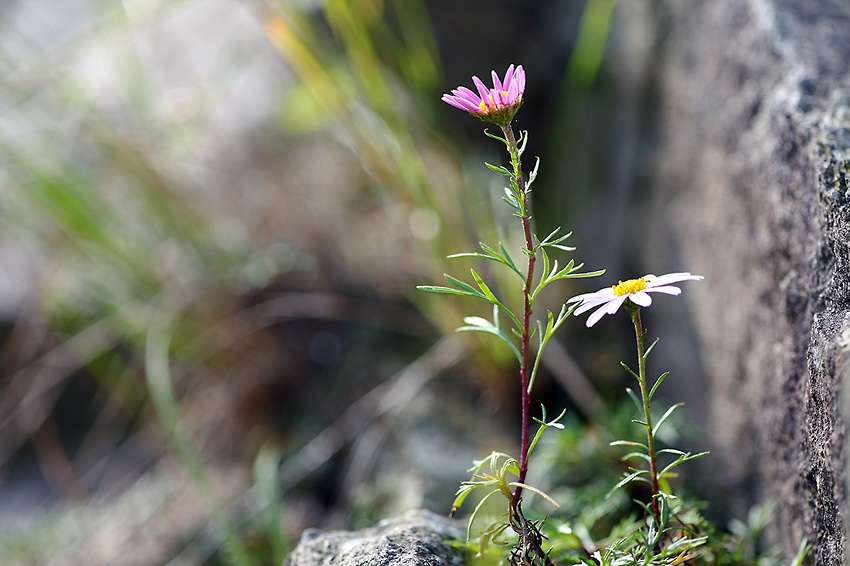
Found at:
[201, 161]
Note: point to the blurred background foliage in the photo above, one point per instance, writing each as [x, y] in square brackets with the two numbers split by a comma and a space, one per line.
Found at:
[214, 213]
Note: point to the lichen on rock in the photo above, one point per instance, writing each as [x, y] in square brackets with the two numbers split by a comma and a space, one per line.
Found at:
[417, 538]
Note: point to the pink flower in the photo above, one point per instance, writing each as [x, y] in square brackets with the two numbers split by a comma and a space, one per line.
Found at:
[498, 104]
[610, 299]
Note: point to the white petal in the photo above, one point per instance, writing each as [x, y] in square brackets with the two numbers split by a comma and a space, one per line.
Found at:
[668, 289]
[605, 294]
[671, 278]
[641, 299]
[587, 305]
[594, 318]
[578, 298]
[614, 305]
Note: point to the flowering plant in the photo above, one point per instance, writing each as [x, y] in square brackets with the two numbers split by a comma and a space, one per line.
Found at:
[507, 475]
[632, 295]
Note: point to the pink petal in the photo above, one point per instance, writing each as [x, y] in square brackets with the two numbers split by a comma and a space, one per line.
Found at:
[448, 99]
[519, 79]
[513, 93]
[465, 93]
[482, 90]
[497, 84]
[509, 78]
[460, 103]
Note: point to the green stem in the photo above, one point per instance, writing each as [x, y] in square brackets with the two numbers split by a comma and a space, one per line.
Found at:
[525, 330]
[634, 312]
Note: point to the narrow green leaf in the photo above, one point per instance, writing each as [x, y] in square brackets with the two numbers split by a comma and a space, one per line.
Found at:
[553, 273]
[465, 286]
[664, 417]
[512, 197]
[680, 460]
[638, 403]
[544, 275]
[633, 374]
[548, 239]
[495, 137]
[460, 496]
[537, 491]
[557, 241]
[523, 139]
[665, 510]
[478, 324]
[498, 169]
[649, 350]
[639, 455]
[508, 258]
[488, 294]
[493, 256]
[543, 426]
[802, 551]
[596, 273]
[490, 537]
[533, 175]
[634, 476]
[448, 291]
[551, 327]
[658, 382]
[475, 513]
[544, 337]
[564, 248]
[467, 254]
[484, 288]
[564, 314]
[510, 466]
[504, 257]
[669, 467]
[566, 270]
[628, 443]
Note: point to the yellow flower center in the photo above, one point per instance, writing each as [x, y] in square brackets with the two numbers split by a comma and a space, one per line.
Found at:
[629, 287]
[485, 108]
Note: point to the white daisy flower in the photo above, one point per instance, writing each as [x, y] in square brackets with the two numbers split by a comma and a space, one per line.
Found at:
[610, 299]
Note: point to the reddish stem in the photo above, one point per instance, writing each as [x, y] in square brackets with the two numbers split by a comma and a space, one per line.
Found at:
[525, 332]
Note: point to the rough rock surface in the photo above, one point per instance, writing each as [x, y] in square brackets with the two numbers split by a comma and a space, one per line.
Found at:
[417, 538]
[753, 100]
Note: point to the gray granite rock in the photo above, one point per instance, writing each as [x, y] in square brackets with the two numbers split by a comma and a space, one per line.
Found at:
[751, 188]
[417, 538]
